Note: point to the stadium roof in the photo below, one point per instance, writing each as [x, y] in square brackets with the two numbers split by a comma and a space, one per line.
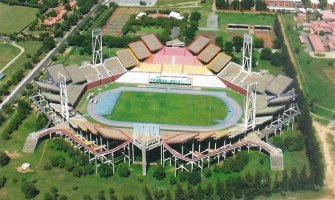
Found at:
[219, 62]
[54, 70]
[90, 73]
[74, 93]
[198, 44]
[47, 86]
[127, 58]
[103, 73]
[261, 80]
[230, 71]
[152, 42]
[76, 74]
[279, 84]
[51, 97]
[140, 50]
[112, 133]
[114, 66]
[209, 53]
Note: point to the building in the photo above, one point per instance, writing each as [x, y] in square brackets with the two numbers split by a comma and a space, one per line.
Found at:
[316, 44]
[283, 3]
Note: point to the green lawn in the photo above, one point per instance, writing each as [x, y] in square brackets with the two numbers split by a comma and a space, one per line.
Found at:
[15, 18]
[74, 56]
[146, 30]
[168, 108]
[172, 2]
[315, 75]
[30, 48]
[8, 52]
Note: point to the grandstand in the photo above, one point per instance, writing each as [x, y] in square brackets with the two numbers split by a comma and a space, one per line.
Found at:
[149, 63]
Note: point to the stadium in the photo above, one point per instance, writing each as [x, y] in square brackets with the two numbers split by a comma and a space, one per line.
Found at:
[184, 106]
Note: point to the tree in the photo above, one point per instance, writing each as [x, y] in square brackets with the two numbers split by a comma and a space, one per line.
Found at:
[4, 158]
[168, 195]
[276, 184]
[29, 190]
[159, 173]
[258, 43]
[294, 180]
[173, 180]
[179, 193]
[102, 195]
[199, 193]
[238, 43]
[111, 194]
[303, 178]
[228, 46]
[194, 177]
[267, 185]
[147, 194]
[158, 194]
[249, 189]
[266, 54]
[105, 170]
[219, 41]
[209, 191]
[189, 192]
[285, 181]
[195, 16]
[277, 59]
[123, 170]
[3, 181]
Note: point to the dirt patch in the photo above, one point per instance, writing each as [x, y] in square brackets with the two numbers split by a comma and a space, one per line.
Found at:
[14, 154]
[330, 74]
[20, 170]
[266, 36]
[322, 132]
[210, 35]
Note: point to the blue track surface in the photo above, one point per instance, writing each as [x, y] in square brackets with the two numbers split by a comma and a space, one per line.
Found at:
[107, 100]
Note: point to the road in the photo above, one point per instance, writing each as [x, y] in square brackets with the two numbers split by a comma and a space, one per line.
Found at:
[22, 50]
[43, 63]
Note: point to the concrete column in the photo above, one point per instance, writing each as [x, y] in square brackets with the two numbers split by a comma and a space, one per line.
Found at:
[132, 149]
[128, 146]
[161, 155]
[113, 163]
[144, 160]
[182, 149]
[192, 150]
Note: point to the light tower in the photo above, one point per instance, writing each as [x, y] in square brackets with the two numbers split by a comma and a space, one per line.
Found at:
[97, 47]
[247, 53]
[250, 107]
[64, 103]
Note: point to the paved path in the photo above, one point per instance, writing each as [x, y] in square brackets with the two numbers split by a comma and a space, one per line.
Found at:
[96, 111]
[14, 59]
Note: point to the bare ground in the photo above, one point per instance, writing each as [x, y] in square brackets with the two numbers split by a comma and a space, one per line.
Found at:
[327, 153]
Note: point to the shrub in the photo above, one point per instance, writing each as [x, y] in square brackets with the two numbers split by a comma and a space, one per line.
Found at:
[159, 173]
[3, 181]
[29, 190]
[4, 159]
[266, 54]
[105, 170]
[123, 170]
[208, 172]
[173, 180]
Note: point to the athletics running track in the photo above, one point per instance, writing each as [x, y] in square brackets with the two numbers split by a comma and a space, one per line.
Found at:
[107, 100]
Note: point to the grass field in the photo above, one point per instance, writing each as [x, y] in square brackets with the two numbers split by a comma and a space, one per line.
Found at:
[168, 108]
[146, 30]
[318, 87]
[15, 18]
[73, 56]
[30, 48]
[8, 52]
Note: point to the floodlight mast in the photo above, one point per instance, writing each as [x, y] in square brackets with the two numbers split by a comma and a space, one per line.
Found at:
[97, 47]
[250, 107]
[247, 53]
[64, 103]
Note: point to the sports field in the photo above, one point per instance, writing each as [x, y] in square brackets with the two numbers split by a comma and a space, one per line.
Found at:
[15, 18]
[8, 52]
[163, 108]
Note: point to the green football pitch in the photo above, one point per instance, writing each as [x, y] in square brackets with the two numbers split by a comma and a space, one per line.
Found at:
[168, 108]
